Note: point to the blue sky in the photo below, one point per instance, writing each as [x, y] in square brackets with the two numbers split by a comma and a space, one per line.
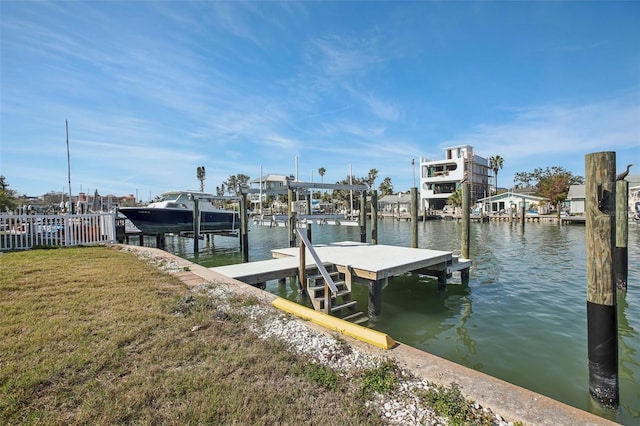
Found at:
[152, 90]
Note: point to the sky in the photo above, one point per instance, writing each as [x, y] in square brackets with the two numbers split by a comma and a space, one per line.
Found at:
[153, 89]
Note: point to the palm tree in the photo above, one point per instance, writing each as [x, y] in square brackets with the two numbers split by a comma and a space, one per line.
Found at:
[321, 172]
[232, 185]
[495, 164]
[386, 187]
[371, 178]
[200, 173]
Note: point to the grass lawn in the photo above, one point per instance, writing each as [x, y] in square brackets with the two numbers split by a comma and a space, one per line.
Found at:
[97, 336]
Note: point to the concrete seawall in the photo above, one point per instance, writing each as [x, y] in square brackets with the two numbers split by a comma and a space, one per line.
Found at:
[512, 402]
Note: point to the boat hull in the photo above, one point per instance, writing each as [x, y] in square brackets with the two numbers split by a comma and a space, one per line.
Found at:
[164, 220]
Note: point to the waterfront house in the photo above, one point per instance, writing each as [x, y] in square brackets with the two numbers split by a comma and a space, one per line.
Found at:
[440, 178]
[394, 203]
[576, 196]
[575, 200]
[511, 203]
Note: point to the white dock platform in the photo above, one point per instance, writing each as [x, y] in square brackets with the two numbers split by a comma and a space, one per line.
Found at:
[370, 262]
[264, 270]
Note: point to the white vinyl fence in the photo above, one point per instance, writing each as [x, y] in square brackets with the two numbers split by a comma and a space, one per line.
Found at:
[22, 232]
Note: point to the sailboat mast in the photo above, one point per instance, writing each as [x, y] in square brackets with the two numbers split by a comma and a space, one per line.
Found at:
[66, 123]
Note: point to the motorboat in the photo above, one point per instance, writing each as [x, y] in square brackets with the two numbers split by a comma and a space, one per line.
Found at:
[173, 213]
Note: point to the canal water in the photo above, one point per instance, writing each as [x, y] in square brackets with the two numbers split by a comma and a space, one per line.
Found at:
[521, 318]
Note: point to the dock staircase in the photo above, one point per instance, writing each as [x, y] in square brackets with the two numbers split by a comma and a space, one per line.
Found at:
[328, 290]
[339, 304]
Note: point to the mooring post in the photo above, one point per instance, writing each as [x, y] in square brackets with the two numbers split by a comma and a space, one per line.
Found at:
[363, 217]
[414, 217]
[244, 228]
[523, 213]
[196, 225]
[309, 197]
[602, 323]
[466, 219]
[621, 258]
[374, 216]
[375, 298]
[291, 215]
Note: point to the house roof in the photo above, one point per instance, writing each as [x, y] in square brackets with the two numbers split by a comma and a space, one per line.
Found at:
[510, 194]
[395, 198]
[576, 192]
[272, 178]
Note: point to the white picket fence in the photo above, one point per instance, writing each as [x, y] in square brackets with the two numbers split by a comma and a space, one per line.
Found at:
[22, 232]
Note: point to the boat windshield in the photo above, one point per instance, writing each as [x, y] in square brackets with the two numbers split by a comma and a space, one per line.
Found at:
[171, 196]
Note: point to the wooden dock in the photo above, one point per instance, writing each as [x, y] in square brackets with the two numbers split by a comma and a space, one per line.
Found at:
[374, 264]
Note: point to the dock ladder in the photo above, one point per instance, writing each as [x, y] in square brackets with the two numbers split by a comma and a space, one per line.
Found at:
[326, 294]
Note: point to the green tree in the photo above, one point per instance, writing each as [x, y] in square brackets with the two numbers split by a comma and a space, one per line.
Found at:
[455, 199]
[200, 174]
[232, 184]
[495, 164]
[321, 172]
[343, 195]
[386, 187]
[8, 198]
[371, 178]
[235, 182]
[551, 182]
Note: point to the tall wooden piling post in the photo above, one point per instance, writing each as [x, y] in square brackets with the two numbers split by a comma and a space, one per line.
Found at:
[291, 218]
[244, 228]
[523, 211]
[466, 219]
[309, 198]
[196, 225]
[621, 254]
[374, 217]
[414, 217]
[363, 217]
[602, 324]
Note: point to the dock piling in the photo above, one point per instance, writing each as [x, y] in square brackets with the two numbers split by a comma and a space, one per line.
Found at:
[292, 218]
[466, 219]
[414, 217]
[363, 217]
[374, 217]
[244, 228]
[602, 324]
[309, 214]
[621, 254]
[196, 224]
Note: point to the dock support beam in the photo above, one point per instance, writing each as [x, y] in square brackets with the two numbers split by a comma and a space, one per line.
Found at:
[523, 213]
[602, 323]
[466, 219]
[414, 217]
[375, 298]
[363, 217]
[374, 216]
[621, 259]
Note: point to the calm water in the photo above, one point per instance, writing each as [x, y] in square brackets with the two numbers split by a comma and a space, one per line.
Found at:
[522, 317]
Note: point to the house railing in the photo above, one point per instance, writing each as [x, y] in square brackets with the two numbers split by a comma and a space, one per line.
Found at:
[23, 232]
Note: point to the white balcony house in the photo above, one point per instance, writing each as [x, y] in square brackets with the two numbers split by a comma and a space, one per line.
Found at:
[440, 178]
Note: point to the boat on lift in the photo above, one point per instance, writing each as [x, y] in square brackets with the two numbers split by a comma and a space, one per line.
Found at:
[173, 213]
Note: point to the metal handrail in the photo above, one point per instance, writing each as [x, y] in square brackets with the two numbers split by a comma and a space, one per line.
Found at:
[325, 274]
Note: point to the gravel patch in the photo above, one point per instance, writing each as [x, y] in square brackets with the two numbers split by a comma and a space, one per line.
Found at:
[402, 406]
